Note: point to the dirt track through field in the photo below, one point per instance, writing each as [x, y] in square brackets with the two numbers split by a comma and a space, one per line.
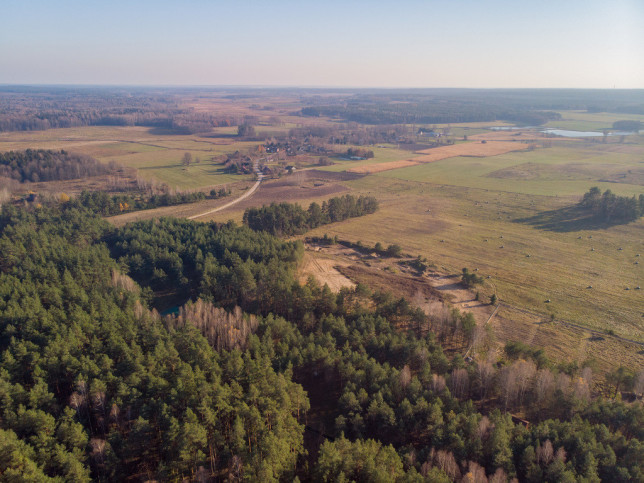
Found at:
[246, 194]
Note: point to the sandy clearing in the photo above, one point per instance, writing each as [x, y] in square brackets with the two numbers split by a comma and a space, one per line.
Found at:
[325, 271]
[460, 297]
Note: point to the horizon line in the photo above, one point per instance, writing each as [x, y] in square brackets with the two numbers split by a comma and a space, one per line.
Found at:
[317, 87]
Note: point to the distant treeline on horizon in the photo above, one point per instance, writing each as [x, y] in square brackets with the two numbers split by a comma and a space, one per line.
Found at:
[29, 108]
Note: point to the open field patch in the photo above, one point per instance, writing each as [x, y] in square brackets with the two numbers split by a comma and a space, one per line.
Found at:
[555, 171]
[563, 343]
[154, 156]
[560, 341]
[478, 149]
[304, 187]
[456, 227]
[473, 149]
[591, 121]
[573, 171]
[385, 153]
[377, 168]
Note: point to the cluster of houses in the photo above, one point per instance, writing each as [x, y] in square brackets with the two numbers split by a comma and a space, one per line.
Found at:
[423, 131]
[293, 149]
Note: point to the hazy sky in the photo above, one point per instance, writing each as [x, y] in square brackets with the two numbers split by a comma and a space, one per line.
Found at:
[448, 43]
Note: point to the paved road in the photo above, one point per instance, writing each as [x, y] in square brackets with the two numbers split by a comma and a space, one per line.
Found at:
[246, 194]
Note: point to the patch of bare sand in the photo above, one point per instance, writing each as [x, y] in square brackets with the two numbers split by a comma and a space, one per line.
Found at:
[325, 271]
[458, 296]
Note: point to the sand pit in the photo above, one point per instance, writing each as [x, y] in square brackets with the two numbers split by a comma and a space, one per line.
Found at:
[323, 269]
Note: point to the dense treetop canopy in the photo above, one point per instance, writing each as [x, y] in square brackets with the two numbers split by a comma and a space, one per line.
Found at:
[96, 385]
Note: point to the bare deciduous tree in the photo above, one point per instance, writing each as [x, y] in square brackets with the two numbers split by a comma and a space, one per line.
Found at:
[484, 429]
[580, 389]
[499, 476]
[446, 462]
[508, 385]
[544, 385]
[438, 383]
[475, 473]
[224, 330]
[560, 455]
[563, 383]
[638, 387]
[459, 383]
[405, 377]
[545, 453]
[485, 371]
[587, 375]
[124, 282]
[525, 371]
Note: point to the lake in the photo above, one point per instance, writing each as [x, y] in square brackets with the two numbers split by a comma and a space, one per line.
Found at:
[562, 132]
[583, 134]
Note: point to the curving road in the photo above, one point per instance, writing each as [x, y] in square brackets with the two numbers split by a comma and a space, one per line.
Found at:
[246, 194]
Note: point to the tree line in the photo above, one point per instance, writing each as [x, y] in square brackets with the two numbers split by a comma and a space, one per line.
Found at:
[380, 110]
[105, 204]
[291, 219]
[34, 165]
[628, 126]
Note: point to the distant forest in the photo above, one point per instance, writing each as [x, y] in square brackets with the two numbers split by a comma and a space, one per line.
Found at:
[46, 165]
[38, 109]
[531, 107]
[29, 108]
[438, 112]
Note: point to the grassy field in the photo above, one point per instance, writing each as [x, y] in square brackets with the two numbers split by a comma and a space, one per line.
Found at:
[586, 121]
[556, 171]
[385, 154]
[450, 226]
[460, 211]
[507, 215]
[155, 156]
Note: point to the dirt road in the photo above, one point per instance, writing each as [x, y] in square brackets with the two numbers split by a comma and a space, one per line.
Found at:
[246, 194]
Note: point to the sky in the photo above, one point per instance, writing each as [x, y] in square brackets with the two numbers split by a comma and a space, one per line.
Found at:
[350, 43]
